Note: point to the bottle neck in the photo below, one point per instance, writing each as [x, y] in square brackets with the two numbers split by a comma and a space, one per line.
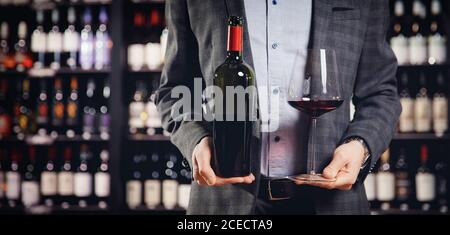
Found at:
[235, 42]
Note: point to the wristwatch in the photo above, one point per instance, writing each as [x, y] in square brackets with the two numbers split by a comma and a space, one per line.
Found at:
[366, 149]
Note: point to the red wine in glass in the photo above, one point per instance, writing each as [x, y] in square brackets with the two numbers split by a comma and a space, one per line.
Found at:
[316, 108]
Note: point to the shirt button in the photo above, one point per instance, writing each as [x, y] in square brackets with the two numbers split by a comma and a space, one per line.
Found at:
[277, 139]
[274, 46]
[274, 2]
[275, 91]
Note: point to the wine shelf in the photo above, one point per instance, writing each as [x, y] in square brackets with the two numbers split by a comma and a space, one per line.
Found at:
[44, 210]
[161, 138]
[420, 136]
[158, 210]
[145, 71]
[43, 73]
[47, 140]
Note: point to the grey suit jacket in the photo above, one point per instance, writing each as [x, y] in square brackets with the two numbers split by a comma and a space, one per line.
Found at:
[355, 29]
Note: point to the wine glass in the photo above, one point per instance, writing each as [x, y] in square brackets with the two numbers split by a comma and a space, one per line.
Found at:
[315, 92]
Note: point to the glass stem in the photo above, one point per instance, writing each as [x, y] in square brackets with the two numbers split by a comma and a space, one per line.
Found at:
[312, 163]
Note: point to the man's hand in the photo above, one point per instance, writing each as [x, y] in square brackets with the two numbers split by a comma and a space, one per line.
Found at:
[347, 161]
[204, 174]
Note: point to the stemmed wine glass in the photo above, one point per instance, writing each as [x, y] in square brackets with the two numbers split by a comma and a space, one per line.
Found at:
[315, 92]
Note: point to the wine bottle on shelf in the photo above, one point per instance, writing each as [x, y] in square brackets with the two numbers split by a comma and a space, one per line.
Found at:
[66, 180]
[87, 42]
[102, 180]
[437, 46]
[153, 123]
[7, 60]
[89, 110]
[440, 107]
[406, 122]
[22, 56]
[417, 41]
[49, 179]
[72, 109]
[385, 181]
[42, 118]
[55, 41]
[399, 40]
[152, 185]
[441, 170]
[425, 181]
[102, 42]
[134, 185]
[39, 41]
[30, 183]
[170, 183]
[23, 111]
[184, 189]
[155, 19]
[13, 180]
[83, 178]
[5, 118]
[370, 187]
[422, 107]
[138, 115]
[231, 138]
[71, 39]
[402, 182]
[58, 109]
[105, 118]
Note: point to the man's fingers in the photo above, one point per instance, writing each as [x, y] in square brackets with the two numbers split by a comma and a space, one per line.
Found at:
[339, 161]
[204, 167]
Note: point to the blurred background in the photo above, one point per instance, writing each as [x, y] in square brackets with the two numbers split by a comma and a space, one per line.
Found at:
[80, 133]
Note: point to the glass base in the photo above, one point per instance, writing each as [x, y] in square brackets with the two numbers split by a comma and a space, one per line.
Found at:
[310, 178]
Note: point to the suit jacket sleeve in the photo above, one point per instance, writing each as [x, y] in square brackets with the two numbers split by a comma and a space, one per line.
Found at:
[181, 66]
[375, 96]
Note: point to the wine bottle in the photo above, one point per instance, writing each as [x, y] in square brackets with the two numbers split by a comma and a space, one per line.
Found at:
[425, 181]
[13, 180]
[102, 42]
[7, 60]
[422, 107]
[87, 42]
[102, 180]
[30, 183]
[152, 184]
[153, 123]
[437, 46]
[231, 137]
[66, 180]
[440, 107]
[402, 182]
[417, 41]
[39, 41]
[399, 40]
[89, 110]
[138, 115]
[5, 118]
[49, 179]
[385, 182]
[83, 178]
[58, 108]
[55, 41]
[370, 187]
[23, 111]
[441, 170]
[184, 189]
[406, 122]
[72, 110]
[105, 118]
[134, 185]
[22, 56]
[42, 119]
[170, 183]
[71, 39]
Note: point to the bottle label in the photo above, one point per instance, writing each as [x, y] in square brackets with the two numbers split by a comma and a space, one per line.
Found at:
[137, 115]
[170, 192]
[54, 42]
[82, 184]
[440, 114]
[417, 50]
[38, 42]
[154, 119]
[134, 193]
[422, 114]
[30, 193]
[369, 185]
[406, 123]
[49, 184]
[437, 49]
[152, 193]
[102, 184]
[234, 38]
[12, 185]
[425, 187]
[184, 191]
[402, 186]
[385, 186]
[154, 61]
[399, 45]
[71, 41]
[65, 183]
[72, 111]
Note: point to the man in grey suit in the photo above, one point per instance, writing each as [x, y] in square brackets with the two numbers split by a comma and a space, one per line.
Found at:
[345, 149]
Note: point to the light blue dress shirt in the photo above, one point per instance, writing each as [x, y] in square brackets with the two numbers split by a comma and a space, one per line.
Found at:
[279, 35]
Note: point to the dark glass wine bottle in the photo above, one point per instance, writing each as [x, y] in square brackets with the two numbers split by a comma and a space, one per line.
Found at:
[232, 137]
[42, 116]
[72, 109]
[30, 183]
